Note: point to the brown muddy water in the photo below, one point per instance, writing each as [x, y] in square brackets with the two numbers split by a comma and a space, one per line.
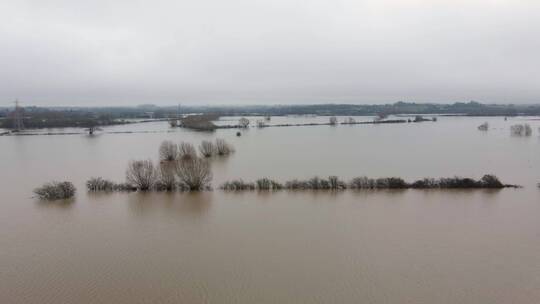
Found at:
[411, 246]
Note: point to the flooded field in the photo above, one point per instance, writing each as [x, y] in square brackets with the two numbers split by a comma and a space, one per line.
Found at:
[409, 246]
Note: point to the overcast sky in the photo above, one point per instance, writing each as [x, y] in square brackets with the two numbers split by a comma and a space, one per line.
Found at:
[128, 52]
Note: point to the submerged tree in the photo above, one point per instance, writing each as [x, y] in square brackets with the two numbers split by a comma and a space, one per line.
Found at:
[186, 150]
[268, 184]
[194, 173]
[223, 148]
[141, 174]
[168, 151]
[99, 184]
[207, 148]
[55, 191]
[521, 130]
[483, 127]
[490, 181]
[237, 185]
[166, 177]
[362, 183]
[243, 122]
[92, 129]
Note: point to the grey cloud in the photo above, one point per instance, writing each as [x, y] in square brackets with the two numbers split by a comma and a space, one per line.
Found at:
[262, 51]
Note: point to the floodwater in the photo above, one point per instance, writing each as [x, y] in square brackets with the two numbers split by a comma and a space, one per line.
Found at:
[411, 246]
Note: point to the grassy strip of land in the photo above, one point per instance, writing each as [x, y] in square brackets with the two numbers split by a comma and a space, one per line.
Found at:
[391, 121]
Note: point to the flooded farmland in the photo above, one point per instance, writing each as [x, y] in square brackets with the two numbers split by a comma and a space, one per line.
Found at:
[387, 246]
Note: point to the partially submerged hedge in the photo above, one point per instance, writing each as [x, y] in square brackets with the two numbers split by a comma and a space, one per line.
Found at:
[315, 183]
[98, 184]
[55, 191]
[359, 183]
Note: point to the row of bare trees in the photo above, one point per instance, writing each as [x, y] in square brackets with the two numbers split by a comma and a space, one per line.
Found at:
[169, 151]
[521, 130]
[180, 168]
[188, 174]
[361, 183]
[516, 130]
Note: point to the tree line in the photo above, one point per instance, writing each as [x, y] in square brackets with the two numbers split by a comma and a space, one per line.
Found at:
[363, 183]
[182, 167]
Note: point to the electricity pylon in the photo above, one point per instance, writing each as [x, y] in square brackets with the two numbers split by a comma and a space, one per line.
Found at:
[18, 117]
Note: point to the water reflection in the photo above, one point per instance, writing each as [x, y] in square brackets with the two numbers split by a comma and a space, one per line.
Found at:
[390, 194]
[184, 204]
[220, 163]
[59, 204]
[460, 194]
[93, 136]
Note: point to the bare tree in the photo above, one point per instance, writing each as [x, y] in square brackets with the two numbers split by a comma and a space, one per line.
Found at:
[168, 151]
[99, 184]
[92, 129]
[141, 174]
[243, 122]
[222, 147]
[237, 185]
[268, 184]
[207, 148]
[166, 177]
[186, 150]
[194, 173]
[521, 130]
[333, 120]
[360, 183]
[483, 127]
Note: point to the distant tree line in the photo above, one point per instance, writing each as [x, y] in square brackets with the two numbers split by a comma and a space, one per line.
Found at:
[52, 117]
[471, 108]
[44, 118]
